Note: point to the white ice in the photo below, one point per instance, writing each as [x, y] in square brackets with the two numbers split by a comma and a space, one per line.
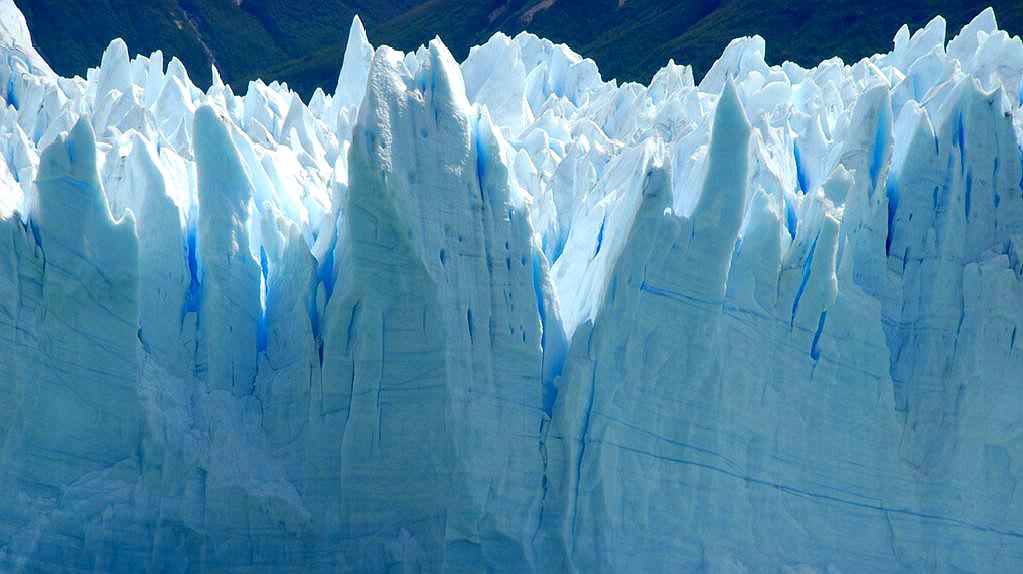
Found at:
[507, 316]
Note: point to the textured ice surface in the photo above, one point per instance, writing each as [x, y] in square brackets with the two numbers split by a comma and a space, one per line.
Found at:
[506, 316]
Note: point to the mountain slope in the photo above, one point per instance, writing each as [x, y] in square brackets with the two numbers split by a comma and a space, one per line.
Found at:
[630, 40]
[302, 43]
[241, 37]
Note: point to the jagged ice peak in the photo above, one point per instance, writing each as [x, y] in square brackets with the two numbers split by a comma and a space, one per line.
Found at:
[504, 315]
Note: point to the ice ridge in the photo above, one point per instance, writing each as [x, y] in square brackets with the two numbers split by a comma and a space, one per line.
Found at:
[505, 315]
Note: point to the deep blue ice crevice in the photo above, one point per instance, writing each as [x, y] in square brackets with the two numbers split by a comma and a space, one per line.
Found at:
[893, 207]
[968, 195]
[1021, 177]
[12, 98]
[791, 221]
[550, 392]
[36, 236]
[994, 179]
[193, 296]
[553, 345]
[264, 301]
[807, 266]
[324, 282]
[600, 236]
[960, 140]
[350, 331]
[482, 156]
[815, 352]
[882, 138]
[800, 168]
[554, 240]
[325, 271]
[583, 440]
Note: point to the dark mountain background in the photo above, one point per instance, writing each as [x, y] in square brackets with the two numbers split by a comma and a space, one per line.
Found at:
[302, 42]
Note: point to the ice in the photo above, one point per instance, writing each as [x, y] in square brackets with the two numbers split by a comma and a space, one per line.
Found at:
[351, 82]
[504, 315]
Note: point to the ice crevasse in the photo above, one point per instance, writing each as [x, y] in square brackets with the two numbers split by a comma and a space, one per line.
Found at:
[503, 315]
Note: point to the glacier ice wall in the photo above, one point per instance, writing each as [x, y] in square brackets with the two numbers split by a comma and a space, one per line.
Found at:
[506, 316]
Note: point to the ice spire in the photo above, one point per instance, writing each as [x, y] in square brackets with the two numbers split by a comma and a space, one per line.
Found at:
[351, 82]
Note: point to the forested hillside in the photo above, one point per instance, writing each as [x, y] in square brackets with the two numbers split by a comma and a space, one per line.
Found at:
[303, 42]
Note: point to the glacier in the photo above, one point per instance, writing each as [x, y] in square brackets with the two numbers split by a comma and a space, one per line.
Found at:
[503, 315]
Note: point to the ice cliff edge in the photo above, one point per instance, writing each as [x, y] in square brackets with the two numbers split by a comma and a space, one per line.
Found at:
[503, 315]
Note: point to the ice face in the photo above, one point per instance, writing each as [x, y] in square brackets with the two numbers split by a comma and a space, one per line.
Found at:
[504, 315]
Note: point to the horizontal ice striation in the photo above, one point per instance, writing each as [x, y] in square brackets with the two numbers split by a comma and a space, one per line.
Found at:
[506, 316]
